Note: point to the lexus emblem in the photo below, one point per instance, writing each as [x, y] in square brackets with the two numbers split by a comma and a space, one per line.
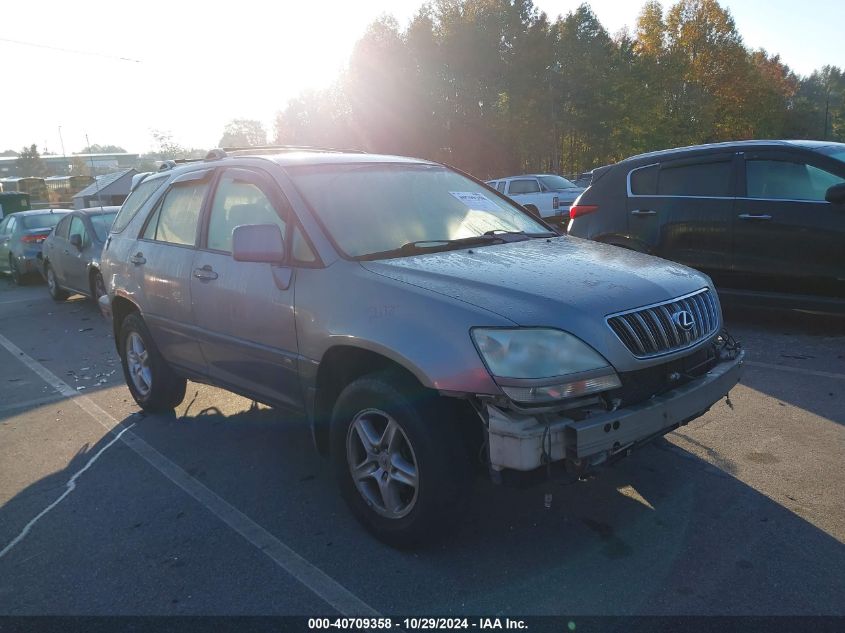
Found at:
[683, 320]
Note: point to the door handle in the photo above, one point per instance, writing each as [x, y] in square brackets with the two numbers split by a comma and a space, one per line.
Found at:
[138, 259]
[206, 273]
[750, 216]
[643, 212]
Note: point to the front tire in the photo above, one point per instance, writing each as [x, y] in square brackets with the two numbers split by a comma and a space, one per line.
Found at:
[151, 381]
[98, 286]
[399, 459]
[53, 285]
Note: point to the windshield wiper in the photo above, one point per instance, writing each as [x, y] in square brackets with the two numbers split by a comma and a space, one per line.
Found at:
[420, 247]
[504, 234]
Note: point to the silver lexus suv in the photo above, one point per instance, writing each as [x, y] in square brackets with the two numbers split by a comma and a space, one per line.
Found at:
[427, 327]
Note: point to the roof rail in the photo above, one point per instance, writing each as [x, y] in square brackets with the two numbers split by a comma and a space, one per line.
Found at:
[174, 162]
[263, 149]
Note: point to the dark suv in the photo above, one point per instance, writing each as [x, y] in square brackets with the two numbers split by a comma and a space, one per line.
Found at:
[762, 218]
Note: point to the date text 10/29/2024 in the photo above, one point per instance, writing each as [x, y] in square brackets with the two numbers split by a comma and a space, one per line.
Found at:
[417, 623]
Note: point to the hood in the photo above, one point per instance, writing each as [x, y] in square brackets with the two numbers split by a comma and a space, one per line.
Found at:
[562, 282]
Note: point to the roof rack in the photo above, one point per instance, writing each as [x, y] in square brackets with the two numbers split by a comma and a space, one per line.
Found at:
[219, 153]
[170, 164]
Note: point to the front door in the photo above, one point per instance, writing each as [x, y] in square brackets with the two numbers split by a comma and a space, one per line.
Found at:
[245, 310]
[787, 237]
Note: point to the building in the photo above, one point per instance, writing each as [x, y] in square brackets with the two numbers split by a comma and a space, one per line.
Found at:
[108, 190]
[60, 165]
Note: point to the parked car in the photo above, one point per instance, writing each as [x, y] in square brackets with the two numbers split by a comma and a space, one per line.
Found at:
[765, 219]
[71, 253]
[13, 202]
[546, 195]
[21, 236]
[583, 180]
[422, 323]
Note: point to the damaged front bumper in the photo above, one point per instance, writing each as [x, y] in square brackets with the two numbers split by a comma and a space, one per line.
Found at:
[523, 442]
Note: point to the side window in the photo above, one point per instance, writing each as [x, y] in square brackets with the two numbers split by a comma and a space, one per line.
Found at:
[702, 179]
[644, 181]
[10, 227]
[524, 186]
[77, 227]
[62, 229]
[4, 226]
[784, 180]
[500, 186]
[175, 220]
[301, 251]
[135, 201]
[239, 200]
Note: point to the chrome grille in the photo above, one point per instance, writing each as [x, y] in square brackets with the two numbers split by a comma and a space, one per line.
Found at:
[654, 330]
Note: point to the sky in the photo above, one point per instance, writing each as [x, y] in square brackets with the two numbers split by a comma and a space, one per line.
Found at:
[187, 67]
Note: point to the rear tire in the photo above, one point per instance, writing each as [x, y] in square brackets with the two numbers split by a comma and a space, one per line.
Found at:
[412, 470]
[15, 272]
[53, 285]
[151, 381]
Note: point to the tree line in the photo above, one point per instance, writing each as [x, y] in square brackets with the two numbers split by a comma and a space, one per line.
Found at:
[495, 87]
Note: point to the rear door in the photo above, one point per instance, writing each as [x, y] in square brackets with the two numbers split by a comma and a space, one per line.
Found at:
[245, 310]
[162, 261]
[788, 238]
[56, 246]
[683, 210]
[74, 268]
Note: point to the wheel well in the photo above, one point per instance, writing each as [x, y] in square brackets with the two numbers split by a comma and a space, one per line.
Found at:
[120, 309]
[92, 271]
[340, 366]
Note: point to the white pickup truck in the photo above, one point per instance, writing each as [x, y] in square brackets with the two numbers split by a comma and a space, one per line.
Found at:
[546, 195]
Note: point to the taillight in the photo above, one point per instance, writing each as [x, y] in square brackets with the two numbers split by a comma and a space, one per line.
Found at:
[555, 203]
[34, 239]
[582, 209]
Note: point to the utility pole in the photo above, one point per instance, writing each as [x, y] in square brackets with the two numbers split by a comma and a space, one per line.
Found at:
[62, 142]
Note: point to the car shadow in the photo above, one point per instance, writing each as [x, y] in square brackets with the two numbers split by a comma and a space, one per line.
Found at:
[661, 532]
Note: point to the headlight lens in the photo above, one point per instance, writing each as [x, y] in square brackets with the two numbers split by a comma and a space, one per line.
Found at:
[541, 353]
[534, 353]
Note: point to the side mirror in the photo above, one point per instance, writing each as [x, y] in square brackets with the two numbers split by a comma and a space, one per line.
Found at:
[258, 243]
[836, 194]
[76, 240]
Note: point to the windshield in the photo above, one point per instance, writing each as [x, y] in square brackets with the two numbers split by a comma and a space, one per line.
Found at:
[41, 221]
[557, 182]
[376, 208]
[102, 223]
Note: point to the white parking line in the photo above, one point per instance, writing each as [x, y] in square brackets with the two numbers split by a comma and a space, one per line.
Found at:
[323, 585]
[70, 486]
[796, 370]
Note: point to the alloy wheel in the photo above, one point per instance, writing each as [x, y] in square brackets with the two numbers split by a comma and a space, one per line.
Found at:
[138, 363]
[382, 463]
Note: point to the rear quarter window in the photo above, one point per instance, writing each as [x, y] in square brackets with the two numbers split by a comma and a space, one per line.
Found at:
[644, 181]
[135, 201]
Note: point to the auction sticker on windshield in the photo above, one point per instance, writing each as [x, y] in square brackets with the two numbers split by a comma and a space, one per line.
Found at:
[477, 201]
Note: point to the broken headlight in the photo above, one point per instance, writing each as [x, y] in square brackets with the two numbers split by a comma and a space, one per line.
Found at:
[535, 365]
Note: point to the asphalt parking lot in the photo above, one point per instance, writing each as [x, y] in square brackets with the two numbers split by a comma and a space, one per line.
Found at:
[224, 509]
